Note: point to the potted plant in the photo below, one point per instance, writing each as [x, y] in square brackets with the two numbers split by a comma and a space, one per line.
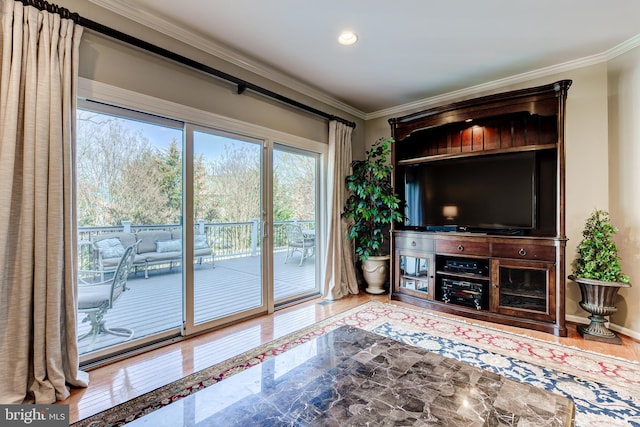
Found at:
[598, 272]
[371, 207]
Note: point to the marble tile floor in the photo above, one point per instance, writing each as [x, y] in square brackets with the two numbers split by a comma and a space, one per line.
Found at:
[353, 377]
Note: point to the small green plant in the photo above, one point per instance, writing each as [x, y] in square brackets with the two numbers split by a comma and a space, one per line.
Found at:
[597, 252]
[372, 205]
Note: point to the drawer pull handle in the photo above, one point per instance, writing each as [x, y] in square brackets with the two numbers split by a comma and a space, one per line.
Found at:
[460, 248]
[413, 243]
[522, 252]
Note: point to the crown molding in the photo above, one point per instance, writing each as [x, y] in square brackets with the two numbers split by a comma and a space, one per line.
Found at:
[495, 84]
[123, 8]
[518, 78]
[623, 47]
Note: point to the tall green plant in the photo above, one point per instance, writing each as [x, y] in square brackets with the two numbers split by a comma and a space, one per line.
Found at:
[372, 205]
[597, 252]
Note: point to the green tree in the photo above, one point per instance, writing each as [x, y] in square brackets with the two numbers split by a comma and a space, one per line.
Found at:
[114, 178]
[294, 192]
[372, 205]
[169, 168]
[122, 175]
[597, 251]
[205, 205]
[236, 183]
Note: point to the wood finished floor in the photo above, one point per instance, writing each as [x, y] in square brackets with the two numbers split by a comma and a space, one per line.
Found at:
[120, 381]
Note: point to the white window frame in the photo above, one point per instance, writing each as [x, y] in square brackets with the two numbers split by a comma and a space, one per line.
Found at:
[137, 102]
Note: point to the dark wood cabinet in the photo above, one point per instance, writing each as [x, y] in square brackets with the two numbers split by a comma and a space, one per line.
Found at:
[523, 289]
[510, 276]
[505, 279]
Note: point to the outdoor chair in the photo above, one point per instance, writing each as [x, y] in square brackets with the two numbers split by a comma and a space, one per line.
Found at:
[96, 296]
[297, 242]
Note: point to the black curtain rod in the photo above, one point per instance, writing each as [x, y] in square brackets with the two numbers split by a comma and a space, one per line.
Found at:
[242, 85]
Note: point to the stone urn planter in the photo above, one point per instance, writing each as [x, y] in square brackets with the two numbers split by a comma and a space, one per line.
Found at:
[375, 270]
[598, 299]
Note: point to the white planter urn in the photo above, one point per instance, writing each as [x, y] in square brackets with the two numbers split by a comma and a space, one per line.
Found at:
[375, 271]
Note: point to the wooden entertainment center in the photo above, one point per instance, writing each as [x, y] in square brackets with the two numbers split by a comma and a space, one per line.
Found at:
[498, 272]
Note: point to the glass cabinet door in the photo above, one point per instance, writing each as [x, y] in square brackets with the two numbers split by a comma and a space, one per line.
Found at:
[416, 275]
[523, 288]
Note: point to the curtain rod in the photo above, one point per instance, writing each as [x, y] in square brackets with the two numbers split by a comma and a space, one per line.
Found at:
[242, 85]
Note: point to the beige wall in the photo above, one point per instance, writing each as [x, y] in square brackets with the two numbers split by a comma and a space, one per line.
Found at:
[624, 177]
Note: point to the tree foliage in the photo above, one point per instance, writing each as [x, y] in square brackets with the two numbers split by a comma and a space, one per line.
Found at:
[597, 252]
[169, 170]
[116, 176]
[236, 183]
[294, 193]
[123, 175]
[372, 204]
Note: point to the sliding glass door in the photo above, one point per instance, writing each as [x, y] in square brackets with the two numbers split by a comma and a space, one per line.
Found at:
[295, 212]
[223, 225]
[129, 192]
[227, 222]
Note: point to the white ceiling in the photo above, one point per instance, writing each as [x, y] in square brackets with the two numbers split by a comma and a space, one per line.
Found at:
[409, 50]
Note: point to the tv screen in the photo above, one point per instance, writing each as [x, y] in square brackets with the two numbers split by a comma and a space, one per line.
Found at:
[491, 192]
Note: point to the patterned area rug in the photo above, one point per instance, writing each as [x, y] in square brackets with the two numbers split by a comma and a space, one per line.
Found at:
[604, 389]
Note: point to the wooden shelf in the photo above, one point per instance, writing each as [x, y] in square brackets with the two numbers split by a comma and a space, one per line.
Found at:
[412, 277]
[463, 275]
[438, 157]
[524, 294]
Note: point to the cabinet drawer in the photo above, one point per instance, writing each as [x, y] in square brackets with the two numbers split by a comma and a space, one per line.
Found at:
[531, 252]
[414, 243]
[462, 248]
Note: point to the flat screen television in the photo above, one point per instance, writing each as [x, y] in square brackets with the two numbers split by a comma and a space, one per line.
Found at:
[489, 193]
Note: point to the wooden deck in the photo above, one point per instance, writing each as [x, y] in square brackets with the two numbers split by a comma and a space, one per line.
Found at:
[154, 305]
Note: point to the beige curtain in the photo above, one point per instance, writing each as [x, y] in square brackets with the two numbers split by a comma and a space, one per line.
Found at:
[340, 276]
[38, 346]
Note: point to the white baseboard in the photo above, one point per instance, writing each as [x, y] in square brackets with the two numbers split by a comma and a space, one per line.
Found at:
[612, 326]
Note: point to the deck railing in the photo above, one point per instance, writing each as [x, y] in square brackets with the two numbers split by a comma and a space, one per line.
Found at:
[227, 239]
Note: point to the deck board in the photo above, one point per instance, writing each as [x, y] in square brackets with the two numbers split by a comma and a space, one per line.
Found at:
[154, 305]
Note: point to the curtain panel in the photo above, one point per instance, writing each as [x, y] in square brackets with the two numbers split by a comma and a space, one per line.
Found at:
[340, 275]
[38, 231]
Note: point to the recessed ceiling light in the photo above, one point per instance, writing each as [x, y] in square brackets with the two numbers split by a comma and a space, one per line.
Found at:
[347, 38]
